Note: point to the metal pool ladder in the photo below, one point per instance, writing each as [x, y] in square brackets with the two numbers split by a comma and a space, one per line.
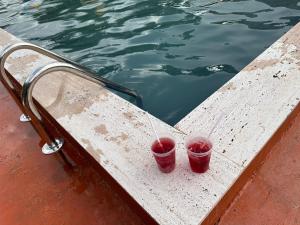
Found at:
[53, 144]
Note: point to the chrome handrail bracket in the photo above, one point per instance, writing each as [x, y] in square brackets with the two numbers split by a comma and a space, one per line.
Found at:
[55, 147]
[25, 118]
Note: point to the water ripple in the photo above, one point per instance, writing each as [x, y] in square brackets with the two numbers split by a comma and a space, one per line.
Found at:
[174, 52]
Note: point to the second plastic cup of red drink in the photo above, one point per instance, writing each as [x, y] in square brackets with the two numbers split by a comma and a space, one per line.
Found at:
[199, 151]
[164, 153]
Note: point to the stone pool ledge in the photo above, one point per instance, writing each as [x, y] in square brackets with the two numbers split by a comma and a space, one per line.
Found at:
[117, 135]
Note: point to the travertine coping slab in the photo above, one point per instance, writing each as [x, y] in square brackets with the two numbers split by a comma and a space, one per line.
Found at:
[117, 135]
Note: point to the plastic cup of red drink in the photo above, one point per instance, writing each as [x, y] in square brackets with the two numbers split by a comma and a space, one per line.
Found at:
[164, 153]
[199, 151]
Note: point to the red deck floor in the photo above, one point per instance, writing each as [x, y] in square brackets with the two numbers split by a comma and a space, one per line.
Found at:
[272, 194]
[43, 190]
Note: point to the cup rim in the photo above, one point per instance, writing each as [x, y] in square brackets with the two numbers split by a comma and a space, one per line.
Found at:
[198, 154]
[165, 153]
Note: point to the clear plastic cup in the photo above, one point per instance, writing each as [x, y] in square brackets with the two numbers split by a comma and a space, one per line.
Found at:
[199, 151]
[164, 153]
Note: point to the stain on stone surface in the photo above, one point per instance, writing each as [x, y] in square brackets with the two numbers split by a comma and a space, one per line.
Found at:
[119, 139]
[228, 87]
[124, 136]
[117, 168]
[115, 140]
[128, 115]
[261, 64]
[7, 39]
[293, 37]
[101, 129]
[21, 63]
[88, 146]
[76, 98]
[292, 41]
[100, 151]
[138, 124]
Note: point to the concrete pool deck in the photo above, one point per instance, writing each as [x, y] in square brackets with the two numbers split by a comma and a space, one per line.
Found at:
[256, 102]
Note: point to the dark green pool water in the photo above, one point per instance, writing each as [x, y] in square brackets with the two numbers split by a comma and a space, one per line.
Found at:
[174, 53]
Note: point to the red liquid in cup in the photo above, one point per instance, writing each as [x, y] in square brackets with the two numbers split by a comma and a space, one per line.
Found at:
[165, 161]
[198, 163]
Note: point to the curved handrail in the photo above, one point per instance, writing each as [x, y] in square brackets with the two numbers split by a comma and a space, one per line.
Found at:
[53, 144]
[106, 83]
[18, 46]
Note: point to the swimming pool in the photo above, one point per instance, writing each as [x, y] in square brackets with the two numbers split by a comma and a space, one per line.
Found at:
[174, 53]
